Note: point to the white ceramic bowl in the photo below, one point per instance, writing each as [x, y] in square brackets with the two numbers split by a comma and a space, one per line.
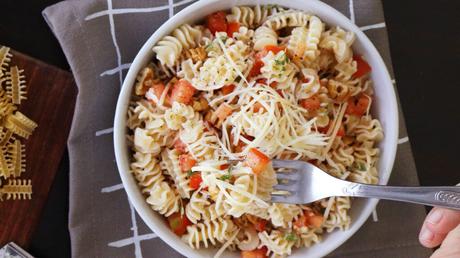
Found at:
[384, 108]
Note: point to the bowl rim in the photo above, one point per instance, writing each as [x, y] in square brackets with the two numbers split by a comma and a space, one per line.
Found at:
[121, 151]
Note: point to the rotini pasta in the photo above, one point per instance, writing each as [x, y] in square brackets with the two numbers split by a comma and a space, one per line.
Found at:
[215, 106]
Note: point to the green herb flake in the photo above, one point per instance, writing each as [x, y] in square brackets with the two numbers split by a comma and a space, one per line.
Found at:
[291, 237]
[226, 177]
[208, 46]
[190, 172]
[361, 167]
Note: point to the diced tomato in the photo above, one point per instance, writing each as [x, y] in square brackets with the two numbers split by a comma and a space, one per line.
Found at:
[223, 111]
[308, 219]
[341, 131]
[316, 221]
[260, 225]
[258, 253]
[359, 108]
[186, 162]
[232, 27]
[273, 48]
[262, 81]
[182, 92]
[311, 104]
[258, 106]
[257, 161]
[273, 84]
[157, 90]
[255, 70]
[301, 222]
[363, 67]
[216, 22]
[178, 223]
[195, 181]
[239, 147]
[227, 89]
[280, 92]
[224, 166]
[180, 146]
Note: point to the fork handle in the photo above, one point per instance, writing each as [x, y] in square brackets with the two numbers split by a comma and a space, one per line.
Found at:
[441, 196]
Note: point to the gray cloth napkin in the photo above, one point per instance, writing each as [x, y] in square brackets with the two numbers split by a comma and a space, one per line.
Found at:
[100, 39]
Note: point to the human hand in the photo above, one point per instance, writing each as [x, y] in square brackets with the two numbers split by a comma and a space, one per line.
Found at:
[442, 227]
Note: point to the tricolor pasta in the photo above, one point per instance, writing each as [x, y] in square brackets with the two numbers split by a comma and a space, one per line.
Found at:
[220, 99]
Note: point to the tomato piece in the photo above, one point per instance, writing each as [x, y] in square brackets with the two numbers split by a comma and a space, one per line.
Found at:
[232, 27]
[274, 49]
[216, 22]
[341, 131]
[258, 253]
[182, 91]
[309, 219]
[257, 106]
[359, 108]
[260, 225]
[363, 67]
[301, 222]
[273, 84]
[227, 89]
[257, 161]
[316, 221]
[157, 90]
[178, 223]
[311, 104]
[195, 181]
[223, 111]
[186, 162]
[224, 166]
[255, 70]
[258, 63]
[180, 146]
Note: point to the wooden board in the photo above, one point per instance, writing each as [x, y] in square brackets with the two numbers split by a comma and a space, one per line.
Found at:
[50, 102]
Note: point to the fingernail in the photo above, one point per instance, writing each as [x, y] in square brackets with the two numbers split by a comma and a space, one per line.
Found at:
[426, 235]
[435, 217]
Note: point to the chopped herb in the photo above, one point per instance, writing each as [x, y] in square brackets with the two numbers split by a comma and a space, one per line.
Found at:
[282, 60]
[208, 46]
[291, 237]
[226, 177]
[361, 166]
[190, 172]
[223, 38]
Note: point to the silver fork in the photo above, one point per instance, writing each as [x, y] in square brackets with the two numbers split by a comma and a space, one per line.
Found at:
[304, 183]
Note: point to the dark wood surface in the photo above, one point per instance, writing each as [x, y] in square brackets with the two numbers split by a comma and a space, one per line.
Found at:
[50, 103]
[424, 42]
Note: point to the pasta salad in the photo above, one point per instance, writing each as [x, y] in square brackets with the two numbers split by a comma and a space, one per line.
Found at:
[222, 98]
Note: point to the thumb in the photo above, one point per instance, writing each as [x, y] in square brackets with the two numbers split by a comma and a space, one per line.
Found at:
[450, 247]
[437, 225]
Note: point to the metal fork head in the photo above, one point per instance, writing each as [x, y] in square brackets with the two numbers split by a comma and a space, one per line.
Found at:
[300, 182]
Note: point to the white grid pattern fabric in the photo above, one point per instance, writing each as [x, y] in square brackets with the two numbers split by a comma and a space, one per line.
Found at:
[95, 36]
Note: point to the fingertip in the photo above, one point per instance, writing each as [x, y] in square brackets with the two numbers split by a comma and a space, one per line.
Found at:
[442, 221]
[430, 239]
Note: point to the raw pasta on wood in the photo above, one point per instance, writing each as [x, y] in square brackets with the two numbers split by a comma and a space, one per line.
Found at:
[14, 126]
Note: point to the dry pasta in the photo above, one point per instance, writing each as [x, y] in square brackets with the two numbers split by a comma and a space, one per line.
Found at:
[212, 109]
[14, 125]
